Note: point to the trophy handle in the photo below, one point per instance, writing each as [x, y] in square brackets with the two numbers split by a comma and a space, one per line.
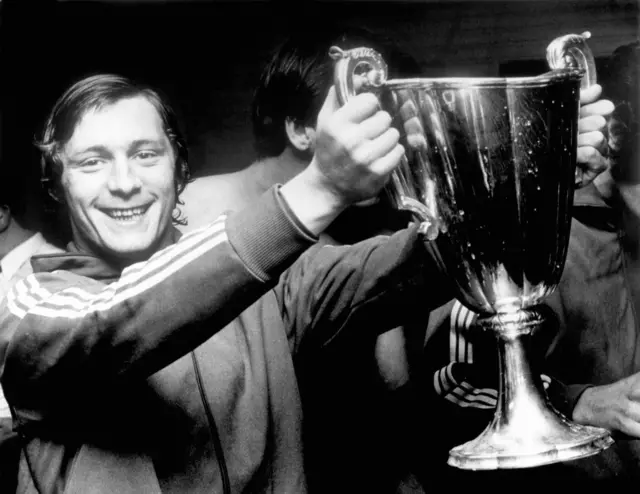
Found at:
[348, 62]
[572, 51]
[373, 71]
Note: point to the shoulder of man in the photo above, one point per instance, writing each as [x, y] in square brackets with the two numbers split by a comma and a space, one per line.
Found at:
[44, 248]
[206, 198]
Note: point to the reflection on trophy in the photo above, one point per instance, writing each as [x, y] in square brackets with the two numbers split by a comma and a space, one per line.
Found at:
[489, 172]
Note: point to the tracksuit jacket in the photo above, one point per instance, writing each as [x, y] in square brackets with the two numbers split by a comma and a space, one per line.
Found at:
[179, 373]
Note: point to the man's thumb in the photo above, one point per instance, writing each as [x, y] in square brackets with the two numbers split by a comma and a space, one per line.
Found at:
[331, 104]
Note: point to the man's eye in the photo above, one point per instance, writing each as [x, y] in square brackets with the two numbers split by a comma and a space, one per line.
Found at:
[146, 155]
[91, 163]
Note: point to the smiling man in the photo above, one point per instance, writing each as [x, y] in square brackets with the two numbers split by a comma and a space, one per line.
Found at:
[120, 193]
[140, 361]
[119, 182]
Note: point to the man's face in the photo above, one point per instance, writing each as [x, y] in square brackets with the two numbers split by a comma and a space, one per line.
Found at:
[118, 181]
[5, 218]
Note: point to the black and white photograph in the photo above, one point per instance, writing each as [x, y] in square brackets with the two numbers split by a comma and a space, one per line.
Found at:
[319, 246]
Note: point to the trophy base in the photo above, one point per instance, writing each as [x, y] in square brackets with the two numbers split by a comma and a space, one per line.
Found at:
[526, 430]
[501, 448]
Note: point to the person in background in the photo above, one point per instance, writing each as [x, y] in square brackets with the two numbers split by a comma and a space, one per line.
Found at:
[361, 380]
[591, 363]
[18, 243]
[599, 303]
[284, 113]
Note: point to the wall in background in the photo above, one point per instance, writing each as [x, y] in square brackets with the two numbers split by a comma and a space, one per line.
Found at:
[207, 55]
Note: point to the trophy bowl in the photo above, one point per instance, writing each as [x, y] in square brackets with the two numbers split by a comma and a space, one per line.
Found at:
[489, 172]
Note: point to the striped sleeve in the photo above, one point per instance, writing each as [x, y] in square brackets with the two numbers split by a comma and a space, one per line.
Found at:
[59, 328]
[463, 382]
[372, 286]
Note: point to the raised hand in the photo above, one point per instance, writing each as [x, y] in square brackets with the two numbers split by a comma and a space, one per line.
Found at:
[356, 147]
[613, 406]
[592, 143]
[356, 151]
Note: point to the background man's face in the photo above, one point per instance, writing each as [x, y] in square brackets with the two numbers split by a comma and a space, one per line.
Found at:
[5, 218]
[626, 166]
[118, 180]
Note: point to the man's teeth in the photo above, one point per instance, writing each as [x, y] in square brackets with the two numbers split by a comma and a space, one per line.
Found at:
[126, 214]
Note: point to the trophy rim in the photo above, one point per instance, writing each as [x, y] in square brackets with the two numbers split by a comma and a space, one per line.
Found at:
[558, 75]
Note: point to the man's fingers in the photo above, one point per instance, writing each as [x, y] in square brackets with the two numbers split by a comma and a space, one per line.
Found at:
[408, 110]
[594, 161]
[330, 105]
[413, 126]
[603, 107]
[594, 139]
[590, 94]
[378, 147]
[360, 107]
[633, 411]
[592, 123]
[386, 164]
[590, 165]
[375, 125]
[630, 419]
[630, 428]
[417, 141]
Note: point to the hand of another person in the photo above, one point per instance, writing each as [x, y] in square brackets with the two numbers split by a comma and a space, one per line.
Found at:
[613, 406]
[592, 143]
[412, 125]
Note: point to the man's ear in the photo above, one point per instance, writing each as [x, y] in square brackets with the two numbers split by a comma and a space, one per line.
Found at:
[5, 217]
[301, 137]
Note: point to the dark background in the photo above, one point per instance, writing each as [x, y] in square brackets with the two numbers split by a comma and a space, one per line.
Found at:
[207, 55]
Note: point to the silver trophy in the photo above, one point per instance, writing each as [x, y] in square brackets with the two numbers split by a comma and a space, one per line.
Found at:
[489, 172]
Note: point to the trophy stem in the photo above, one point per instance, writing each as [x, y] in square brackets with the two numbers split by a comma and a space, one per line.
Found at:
[526, 430]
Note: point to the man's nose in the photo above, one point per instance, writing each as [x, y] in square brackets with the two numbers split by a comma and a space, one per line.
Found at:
[123, 179]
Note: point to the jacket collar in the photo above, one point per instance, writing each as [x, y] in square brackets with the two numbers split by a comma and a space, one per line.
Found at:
[82, 263]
